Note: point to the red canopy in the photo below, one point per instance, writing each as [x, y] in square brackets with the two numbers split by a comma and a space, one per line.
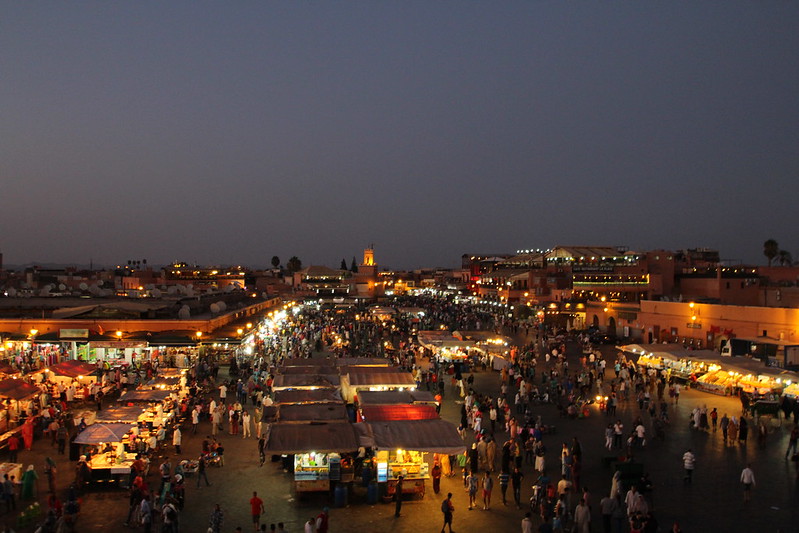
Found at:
[73, 368]
[381, 413]
[16, 389]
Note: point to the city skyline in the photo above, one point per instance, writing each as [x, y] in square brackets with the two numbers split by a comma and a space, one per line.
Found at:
[226, 135]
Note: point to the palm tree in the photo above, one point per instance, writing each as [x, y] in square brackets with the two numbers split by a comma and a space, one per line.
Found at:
[294, 264]
[785, 258]
[771, 249]
[275, 261]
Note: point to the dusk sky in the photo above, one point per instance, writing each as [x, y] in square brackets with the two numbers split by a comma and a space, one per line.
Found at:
[229, 132]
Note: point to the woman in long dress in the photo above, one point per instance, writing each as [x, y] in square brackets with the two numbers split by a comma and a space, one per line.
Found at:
[733, 430]
[27, 433]
[29, 482]
[446, 466]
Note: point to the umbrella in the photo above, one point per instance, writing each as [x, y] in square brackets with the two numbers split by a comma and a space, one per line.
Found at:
[97, 433]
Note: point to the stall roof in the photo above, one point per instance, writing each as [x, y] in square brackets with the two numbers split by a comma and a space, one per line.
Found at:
[313, 437]
[367, 369]
[73, 368]
[436, 436]
[392, 397]
[301, 361]
[312, 412]
[16, 389]
[320, 369]
[400, 379]
[382, 413]
[97, 433]
[269, 414]
[141, 395]
[481, 336]
[671, 351]
[6, 368]
[128, 414]
[295, 381]
[288, 396]
[361, 361]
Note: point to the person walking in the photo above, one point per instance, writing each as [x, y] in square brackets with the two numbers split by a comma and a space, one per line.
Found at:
[195, 419]
[582, 517]
[516, 481]
[527, 523]
[13, 448]
[256, 510]
[792, 441]
[748, 481]
[215, 522]
[245, 425]
[471, 488]
[504, 479]
[436, 475]
[725, 424]
[689, 463]
[447, 509]
[488, 486]
[201, 472]
[177, 438]
[398, 497]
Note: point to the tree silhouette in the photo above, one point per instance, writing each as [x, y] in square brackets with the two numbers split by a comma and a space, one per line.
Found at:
[294, 264]
[784, 257]
[343, 264]
[275, 261]
[354, 267]
[771, 249]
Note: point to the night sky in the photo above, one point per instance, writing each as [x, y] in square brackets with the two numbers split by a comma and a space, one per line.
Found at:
[229, 132]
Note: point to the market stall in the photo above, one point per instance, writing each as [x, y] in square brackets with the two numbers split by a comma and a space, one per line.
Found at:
[18, 398]
[677, 361]
[105, 445]
[352, 383]
[382, 413]
[391, 397]
[317, 450]
[401, 446]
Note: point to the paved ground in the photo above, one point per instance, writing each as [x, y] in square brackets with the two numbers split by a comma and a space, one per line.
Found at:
[713, 502]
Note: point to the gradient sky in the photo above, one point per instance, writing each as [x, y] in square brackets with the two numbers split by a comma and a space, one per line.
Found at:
[229, 132]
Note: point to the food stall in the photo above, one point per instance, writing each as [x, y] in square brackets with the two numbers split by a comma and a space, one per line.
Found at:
[674, 359]
[317, 450]
[445, 345]
[109, 459]
[72, 371]
[366, 380]
[401, 446]
[17, 398]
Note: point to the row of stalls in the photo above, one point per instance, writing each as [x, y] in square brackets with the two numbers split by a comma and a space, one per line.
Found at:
[706, 370]
[114, 436]
[170, 348]
[333, 420]
[458, 346]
